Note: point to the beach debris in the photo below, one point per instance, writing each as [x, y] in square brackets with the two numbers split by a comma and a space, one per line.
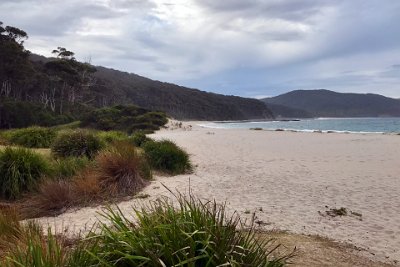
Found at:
[210, 133]
[262, 223]
[141, 196]
[334, 212]
[256, 129]
[279, 130]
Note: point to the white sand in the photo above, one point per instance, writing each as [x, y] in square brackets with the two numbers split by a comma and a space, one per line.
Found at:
[291, 177]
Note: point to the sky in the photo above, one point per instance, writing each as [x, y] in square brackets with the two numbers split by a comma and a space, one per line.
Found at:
[253, 48]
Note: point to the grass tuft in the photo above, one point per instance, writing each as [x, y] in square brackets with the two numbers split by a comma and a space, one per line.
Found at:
[79, 143]
[195, 233]
[32, 137]
[20, 171]
[166, 156]
[122, 170]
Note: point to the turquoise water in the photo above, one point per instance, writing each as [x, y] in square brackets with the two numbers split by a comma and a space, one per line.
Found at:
[363, 125]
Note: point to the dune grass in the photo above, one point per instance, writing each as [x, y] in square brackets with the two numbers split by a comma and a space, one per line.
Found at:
[77, 143]
[31, 137]
[167, 157]
[194, 233]
[20, 171]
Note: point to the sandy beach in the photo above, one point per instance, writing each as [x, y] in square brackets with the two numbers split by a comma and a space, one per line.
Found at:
[290, 180]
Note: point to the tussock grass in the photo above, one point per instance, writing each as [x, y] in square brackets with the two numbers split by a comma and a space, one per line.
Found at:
[140, 138]
[25, 244]
[194, 233]
[121, 170]
[166, 156]
[20, 171]
[111, 136]
[32, 137]
[68, 167]
[78, 143]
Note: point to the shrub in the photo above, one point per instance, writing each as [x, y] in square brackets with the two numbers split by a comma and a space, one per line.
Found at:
[20, 170]
[139, 138]
[193, 234]
[166, 156]
[112, 136]
[121, 170]
[52, 197]
[76, 144]
[124, 118]
[68, 167]
[86, 187]
[33, 137]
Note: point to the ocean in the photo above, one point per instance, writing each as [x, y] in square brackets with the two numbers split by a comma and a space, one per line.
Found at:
[352, 125]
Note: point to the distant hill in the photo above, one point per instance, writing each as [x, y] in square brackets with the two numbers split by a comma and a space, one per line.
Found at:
[281, 111]
[117, 87]
[177, 101]
[325, 103]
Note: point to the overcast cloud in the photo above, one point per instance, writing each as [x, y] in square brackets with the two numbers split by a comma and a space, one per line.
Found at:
[249, 48]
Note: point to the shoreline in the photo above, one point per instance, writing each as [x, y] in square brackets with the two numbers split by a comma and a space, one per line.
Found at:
[289, 180]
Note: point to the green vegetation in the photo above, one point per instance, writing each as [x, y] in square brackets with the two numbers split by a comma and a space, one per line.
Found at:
[68, 167]
[20, 171]
[76, 143]
[111, 136]
[124, 118]
[139, 138]
[193, 234]
[33, 137]
[27, 245]
[166, 156]
[18, 114]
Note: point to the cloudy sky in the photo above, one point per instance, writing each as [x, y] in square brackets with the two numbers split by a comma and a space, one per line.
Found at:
[249, 48]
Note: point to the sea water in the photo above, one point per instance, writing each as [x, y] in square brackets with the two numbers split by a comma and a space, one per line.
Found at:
[356, 125]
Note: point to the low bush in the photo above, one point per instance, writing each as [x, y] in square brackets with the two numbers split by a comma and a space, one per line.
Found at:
[52, 197]
[79, 143]
[87, 188]
[32, 137]
[20, 170]
[127, 118]
[68, 167]
[166, 156]
[121, 170]
[139, 138]
[111, 136]
[193, 234]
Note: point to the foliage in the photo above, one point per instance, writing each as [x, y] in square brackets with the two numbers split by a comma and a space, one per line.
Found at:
[20, 170]
[122, 170]
[26, 244]
[193, 234]
[140, 138]
[69, 166]
[166, 156]
[124, 118]
[33, 137]
[76, 143]
[18, 114]
[112, 136]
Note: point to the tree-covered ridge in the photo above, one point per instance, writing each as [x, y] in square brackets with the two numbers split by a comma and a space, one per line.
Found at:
[63, 86]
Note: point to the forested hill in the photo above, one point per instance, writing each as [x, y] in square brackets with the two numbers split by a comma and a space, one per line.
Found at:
[325, 103]
[179, 102]
[117, 87]
[66, 87]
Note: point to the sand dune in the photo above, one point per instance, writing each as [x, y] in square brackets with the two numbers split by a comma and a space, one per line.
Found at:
[290, 180]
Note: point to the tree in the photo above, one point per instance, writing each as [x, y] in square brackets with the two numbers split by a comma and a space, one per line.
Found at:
[15, 68]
